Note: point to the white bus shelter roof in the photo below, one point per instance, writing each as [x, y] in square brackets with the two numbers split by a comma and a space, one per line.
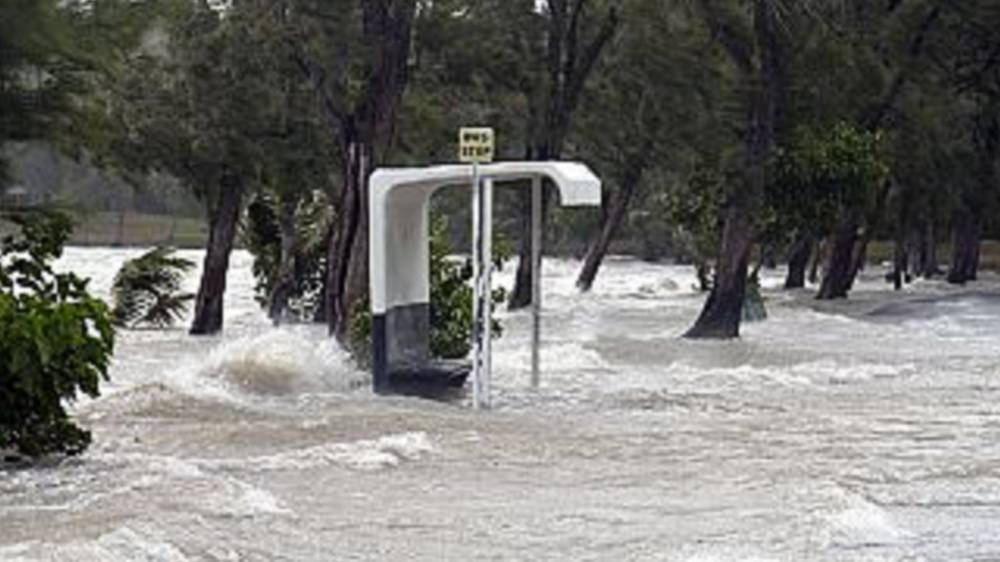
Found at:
[398, 207]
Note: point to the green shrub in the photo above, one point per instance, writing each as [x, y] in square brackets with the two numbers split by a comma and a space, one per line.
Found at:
[56, 340]
[451, 302]
[262, 238]
[146, 289]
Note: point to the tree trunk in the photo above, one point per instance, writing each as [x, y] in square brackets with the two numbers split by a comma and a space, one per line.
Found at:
[347, 258]
[798, 260]
[703, 271]
[570, 60]
[965, 248]
[366, 131]
[612, 222]
[817, 259]
[280, 293]
[223, 220]
[838, 277]
[927, 256]
[720, 318]
[860, 255]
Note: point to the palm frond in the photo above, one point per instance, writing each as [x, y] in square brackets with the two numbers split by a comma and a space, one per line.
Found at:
[146, 290]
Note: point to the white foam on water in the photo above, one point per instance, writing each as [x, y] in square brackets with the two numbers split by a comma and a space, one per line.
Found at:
[855, 523]
[366, 455]
[722, 554]
[852, 372]
[123, 544]
[282, 361]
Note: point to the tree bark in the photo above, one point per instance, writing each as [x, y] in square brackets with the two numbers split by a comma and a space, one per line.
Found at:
[838, 277]
[720, 318]
[280, 293]
[570, 61]
[347, 258]
[860, 254]
[798, 261]
[366, 131]
[224, 216]
[612, 222]
[965, 248]
[927, 256]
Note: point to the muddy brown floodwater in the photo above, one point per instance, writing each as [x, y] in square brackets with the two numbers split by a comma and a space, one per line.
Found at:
[856, 432]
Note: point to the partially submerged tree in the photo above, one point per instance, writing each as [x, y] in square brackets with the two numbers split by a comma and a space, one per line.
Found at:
[652, 107]
[576, 37]
[827, 177]
[356, 57]
[220, 105]
[752, 37]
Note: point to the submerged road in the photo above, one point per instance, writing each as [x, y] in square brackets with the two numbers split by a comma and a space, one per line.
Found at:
[855, 431]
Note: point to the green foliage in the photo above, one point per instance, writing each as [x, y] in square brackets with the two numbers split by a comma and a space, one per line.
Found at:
[56, 340]
[753, 302]
[146, 290]
[263, 240]
[824, 175]
[452, 297]
[693, 208]
[262, 237]
[451, 303]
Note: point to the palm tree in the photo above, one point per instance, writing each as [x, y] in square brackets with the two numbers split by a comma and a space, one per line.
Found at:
[146, 290]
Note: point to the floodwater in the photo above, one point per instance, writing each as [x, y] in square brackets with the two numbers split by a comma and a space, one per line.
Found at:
[864, 431]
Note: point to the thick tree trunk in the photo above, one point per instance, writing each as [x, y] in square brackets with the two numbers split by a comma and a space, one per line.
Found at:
[927, 256]
[860, 254]
[280, 293]
[837, 277]
[798, 260]
[612, 222]
[347, 258]
[720, 318]
[366, 131]
[223, 220]
[965, 249]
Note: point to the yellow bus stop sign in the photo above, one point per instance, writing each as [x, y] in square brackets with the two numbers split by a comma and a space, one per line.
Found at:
[475, 144]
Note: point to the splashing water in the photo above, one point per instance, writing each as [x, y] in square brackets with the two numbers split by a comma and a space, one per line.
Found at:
[864, 430]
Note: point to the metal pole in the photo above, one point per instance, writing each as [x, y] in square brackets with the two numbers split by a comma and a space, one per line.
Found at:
[480, 365]
[486, 225]
[536, 279]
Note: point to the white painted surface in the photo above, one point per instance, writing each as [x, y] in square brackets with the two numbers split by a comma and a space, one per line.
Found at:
[398, 227]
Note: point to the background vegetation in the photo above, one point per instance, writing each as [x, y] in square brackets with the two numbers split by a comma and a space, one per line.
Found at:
[729, 134]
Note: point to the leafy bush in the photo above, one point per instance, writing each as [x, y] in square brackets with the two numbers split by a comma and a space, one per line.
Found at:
[146, 290]
[451, 302]
[56, 340]
[822, 175]
[262, 237]
[693, 208]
